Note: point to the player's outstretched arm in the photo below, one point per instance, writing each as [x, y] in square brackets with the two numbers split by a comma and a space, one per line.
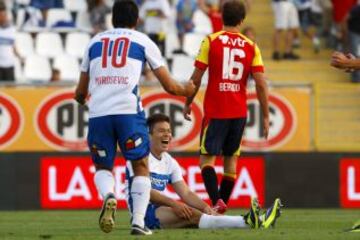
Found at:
[179, 209]
[81, 91]
[342, 61]
[196, 78]
[171, 86]
[190, 198]
[263, 96]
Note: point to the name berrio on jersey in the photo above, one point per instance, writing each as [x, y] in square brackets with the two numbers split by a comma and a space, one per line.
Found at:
[108, 80]
[229, 87]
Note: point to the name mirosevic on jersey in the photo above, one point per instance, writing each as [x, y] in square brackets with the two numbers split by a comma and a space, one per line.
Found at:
[101, 80]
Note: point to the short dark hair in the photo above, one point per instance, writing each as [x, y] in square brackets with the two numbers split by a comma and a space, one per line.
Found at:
[233, 12]
[2, 6]
[155, 118]
[125, 13]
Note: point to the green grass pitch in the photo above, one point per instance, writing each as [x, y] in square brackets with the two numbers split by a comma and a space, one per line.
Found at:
[293, 224]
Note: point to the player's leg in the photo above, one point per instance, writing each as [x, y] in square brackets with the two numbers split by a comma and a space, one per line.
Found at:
[213, 133]
[133, 140]
[168, 219]
[279, 18]
[102, 145]
[231, 151]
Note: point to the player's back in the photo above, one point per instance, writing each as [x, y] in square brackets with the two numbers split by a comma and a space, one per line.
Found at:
[114, 61]
[230, 58]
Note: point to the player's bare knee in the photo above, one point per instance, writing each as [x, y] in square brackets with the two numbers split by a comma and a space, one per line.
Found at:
[140, 167]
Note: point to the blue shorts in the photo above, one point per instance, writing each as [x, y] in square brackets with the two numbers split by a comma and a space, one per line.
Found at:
[151, 221]
[129, 131]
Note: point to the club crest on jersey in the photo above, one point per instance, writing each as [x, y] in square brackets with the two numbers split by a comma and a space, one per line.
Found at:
[99, 152]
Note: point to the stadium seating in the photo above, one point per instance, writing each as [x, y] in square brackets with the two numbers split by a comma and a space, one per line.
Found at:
[68, 67]
[108, 21]
[75, 5]
[82, 22]
[76, 43]
[48, 44]
[37, 68]
[181, 67]
[23, 2]
[19, 76]
[201, 22]
[171, 43]
[57, 14]
[192, 42]
[24, 44]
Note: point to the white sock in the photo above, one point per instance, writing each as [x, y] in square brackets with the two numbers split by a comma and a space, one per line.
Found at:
[104, 182]
[210, 221]
[140, 194]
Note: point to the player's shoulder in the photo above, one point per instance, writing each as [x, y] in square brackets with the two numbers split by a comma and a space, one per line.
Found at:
[170, 159]
[215, 35]
[251, 42]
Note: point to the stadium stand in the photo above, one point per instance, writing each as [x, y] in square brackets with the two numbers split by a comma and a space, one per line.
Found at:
[192, 43]
[202, 22]
[182, 66]
[37, 69]
[82, 22]
[48, 44]
[336, 100]
[24, 44]
[76, 43]
[76, 6]
[68, 66]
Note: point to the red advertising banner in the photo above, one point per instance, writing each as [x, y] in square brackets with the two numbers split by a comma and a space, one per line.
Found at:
[350, 182]
[67, 183]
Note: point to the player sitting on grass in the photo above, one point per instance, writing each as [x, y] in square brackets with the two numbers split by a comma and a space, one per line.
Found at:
[164, 212]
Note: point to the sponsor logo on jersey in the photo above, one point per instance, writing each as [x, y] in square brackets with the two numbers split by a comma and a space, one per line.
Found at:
[184, 132]
[282, 123]
[11, 120]
[61, 122]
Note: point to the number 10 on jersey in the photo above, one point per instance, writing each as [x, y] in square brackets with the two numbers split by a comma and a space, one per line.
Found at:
[117, 50]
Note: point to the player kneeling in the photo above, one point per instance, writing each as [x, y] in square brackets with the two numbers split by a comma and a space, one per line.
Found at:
[164, 212]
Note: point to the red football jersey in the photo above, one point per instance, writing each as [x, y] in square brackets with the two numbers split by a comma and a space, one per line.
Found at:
[230, 58]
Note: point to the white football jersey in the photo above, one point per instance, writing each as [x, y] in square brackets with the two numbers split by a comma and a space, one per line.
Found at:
[114, 61]
[163, 171]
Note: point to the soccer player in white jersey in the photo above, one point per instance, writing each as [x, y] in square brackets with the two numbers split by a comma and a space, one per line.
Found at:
[164, 212]
[110, 74]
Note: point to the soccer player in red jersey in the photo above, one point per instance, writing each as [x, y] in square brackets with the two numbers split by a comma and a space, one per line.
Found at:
[229, 57]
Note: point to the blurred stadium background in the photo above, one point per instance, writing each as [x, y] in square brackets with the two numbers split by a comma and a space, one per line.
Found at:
[311, 160]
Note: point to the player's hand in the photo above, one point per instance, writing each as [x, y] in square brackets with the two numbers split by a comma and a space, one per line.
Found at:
[189, 88]
[187, 112]
[339, 60]
[182, 211]
[208, 210]
[266, 124]
[80, 98]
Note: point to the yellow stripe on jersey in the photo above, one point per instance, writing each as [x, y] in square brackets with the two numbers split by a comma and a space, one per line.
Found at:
[257, 60]
[203, 55]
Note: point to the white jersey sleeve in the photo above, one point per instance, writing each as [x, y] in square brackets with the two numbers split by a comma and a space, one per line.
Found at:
[153, 55]
[176, 173]
[85, 64]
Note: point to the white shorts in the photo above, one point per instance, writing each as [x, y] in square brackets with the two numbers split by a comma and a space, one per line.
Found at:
[286, 15]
